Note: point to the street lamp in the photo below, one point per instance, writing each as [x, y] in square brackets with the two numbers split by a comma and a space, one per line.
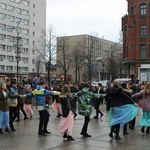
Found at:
[17, 45]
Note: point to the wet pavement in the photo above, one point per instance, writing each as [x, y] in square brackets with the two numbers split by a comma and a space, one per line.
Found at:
[27, 138]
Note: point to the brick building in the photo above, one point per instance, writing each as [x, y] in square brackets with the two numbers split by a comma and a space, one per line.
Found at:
[136, 39]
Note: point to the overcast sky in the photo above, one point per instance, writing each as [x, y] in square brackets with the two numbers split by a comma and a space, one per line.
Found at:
[94, 17]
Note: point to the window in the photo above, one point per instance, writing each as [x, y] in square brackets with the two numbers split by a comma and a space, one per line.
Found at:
[10, 8]
[18, 1]
[2, 16]
[25, 12]
[33, 15]
[33, 33]
[25, 3]
[9, 48]
[26, 22]
[2, 26]
[33, 23]
[25, 60]
[18, 19]
[33, 5]
[10, 28]
[24, 31]
[18, 10]
[2, 67]
[143, 51]
[9, 68]
[26, 41]
[11, 18]
[2, 47]
[11, 38]
[143, 9]
[24, 69]
[33, 52]
[132, 10]
[143, 30]
[3, 5]
[33, 42]
[2, 36]
[2, 57]
[10, 58]
[25, 50]
[33, 61]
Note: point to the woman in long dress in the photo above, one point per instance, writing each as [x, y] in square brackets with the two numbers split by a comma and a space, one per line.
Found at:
[145, 119]
[121, 109]
[67, 122]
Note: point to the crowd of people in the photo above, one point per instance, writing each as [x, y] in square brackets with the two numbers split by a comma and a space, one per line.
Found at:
[122, 100]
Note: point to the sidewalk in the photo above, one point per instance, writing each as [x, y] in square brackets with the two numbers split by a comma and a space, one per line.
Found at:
[26, 136]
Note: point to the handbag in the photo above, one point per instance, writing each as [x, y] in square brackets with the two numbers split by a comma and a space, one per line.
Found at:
[12, 102]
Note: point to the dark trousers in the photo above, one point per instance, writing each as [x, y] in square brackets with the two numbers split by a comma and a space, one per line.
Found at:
[125, 128]
[132, 123]
[20, 107]
[85, 125]
[97, 105]
[115, 129]
[12, 115]
[44, 119]
[108, 100]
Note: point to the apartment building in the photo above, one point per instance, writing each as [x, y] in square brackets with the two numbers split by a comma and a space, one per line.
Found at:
[87, 56]
[21, 23]
[136, 39]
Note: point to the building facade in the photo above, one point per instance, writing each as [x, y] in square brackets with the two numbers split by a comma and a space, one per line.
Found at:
[21, 23]
[87, 57]
[136, 39]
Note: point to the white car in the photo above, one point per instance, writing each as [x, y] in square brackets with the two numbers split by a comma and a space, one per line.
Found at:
[104, 83]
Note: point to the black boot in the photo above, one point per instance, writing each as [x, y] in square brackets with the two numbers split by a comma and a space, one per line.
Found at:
[70, 138]
[8, 130]
[111, 132]
[147, 131]
[142, 129]
[117, 137]
[1, 131]
[13, 129]
[65, 136]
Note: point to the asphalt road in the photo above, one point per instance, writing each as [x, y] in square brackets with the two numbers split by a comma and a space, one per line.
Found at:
[26, 136]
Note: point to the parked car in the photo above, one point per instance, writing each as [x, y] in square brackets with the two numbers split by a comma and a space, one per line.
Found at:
[104, 83]
[122, 80]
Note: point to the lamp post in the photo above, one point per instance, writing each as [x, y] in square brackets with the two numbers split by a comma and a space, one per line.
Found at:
[18, 44]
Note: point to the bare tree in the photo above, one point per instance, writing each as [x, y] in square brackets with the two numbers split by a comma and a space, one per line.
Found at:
[78, 62]
[38, 65]
[87, 50]
[64, 60]
[48, 52]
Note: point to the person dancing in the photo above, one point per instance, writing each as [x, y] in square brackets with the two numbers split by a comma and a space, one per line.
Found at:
[121, 111]
[67, 122]
[145, 119]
